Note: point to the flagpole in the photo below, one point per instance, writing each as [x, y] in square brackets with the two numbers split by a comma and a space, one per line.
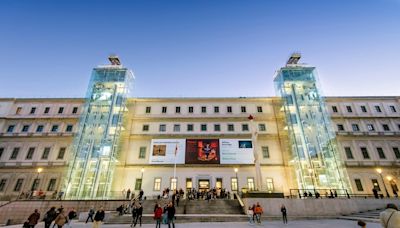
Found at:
[176, 150]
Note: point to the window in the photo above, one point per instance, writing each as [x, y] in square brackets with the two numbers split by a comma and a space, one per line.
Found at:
[217, 127]
[164, 109]
[157, 184]
[392, 108]
[359, 185]
[364, 152]
[25, 128]
[250, 183]
[2, 184]
[69, 128]
[234, 184]
[10, 128]
[189, 183]
[370, 127]
[61, 153]
[46, 110]
[60, 110]
[334, 109]
[375, 184]
[378, 108]
[243, 108]
[178, 109]
[216, 109]
[52, 184]
[148, 109]
[355, 127]
[259, 109]
[39, 128]
[262, 127]
[265, 151]
[229, 109]
[35, 184]
[340, 127]
[145, 127]
[18, 185]
[46, 152]
[190, 127]
[396, 152]
[174, 183]
[203, 127]
[203, 109]
[1, 151]
[33, 110]
[29, 155]
[380, 153]
[245, 127]
[349, 109]
[348, 152]
[385, 127]
[54, 128]
[74, 110]
[363, 108]
[177, 127]
[18, 111]
[190, 109]
[142, 152]
[162, 128]
[231, 127]
[14, 153]
[138, 184]
[270, 184]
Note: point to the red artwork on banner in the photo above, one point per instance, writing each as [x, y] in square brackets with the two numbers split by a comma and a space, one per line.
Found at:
[200, 151]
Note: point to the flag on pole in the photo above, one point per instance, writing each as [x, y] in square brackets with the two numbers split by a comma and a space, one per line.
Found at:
[176, 149]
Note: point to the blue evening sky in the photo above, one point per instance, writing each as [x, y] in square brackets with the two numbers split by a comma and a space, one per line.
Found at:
[202, 48]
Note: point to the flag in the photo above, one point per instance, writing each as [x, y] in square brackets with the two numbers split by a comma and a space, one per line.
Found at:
[176, 149]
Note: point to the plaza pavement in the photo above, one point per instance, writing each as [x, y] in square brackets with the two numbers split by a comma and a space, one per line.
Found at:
[270, 224]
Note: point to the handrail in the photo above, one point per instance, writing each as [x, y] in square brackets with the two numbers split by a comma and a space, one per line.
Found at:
[241, 203]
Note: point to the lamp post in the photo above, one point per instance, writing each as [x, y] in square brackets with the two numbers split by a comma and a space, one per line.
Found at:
[237, 180]
[141, 178]
[39, 170]
[379, 170]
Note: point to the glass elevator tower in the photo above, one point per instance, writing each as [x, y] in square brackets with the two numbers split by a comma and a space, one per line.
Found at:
[314, 154]
[95, 146]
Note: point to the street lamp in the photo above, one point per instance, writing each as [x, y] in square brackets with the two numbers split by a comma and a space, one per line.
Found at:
[237, 180]
[141, 178]
[39, 170]
[379, 170]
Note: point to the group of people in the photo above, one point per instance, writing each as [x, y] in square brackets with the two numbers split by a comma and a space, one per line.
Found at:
[40, 194]
[165, 215]
[254, 212]
[332, 194]
[97, 217]
[213, 193]
[58, 216]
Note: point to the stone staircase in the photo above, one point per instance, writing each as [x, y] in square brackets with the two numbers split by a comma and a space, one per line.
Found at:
[190, 211]
[366, 216]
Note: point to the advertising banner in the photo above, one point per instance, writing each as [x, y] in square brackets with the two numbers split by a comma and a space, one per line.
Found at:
[163, 151]
[202, 151]
[236, 151]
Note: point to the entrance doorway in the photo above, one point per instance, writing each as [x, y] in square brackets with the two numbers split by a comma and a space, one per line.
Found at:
[204, 184]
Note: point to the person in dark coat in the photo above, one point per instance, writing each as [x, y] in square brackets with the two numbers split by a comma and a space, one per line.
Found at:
[284, 214]
[33, 219]
[128, 194]
[90, 214]
[139, 213]
[49, 217]
[171, 215]
[98, 218]
[134, 213]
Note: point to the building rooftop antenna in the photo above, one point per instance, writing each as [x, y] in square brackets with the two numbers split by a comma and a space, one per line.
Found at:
[114, 60]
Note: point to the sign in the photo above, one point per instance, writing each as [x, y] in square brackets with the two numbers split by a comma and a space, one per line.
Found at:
[163, 151]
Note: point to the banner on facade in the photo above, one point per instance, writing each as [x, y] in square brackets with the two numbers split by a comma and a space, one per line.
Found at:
[236, 151]
[167, 151]
[202, 151]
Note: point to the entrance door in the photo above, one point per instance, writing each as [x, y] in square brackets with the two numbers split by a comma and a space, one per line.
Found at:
[204, 184]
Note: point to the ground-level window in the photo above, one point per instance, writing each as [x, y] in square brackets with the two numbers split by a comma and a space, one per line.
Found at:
[173, 184]
[3, 184]
[138, 184]
[35, 184]
[234, 184]
[375, 184]
[52, 184]
[157, 184]
[189, 183]
[270, 184]
[18, 185]
[218, 183]
[250, 183]
[359, 185]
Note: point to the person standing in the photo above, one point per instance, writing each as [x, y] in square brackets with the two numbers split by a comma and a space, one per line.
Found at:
[390, 218]
[90, 214]
[139, 213]
[157, 215]
[375, 192]
[71, 215]
[250, 214]
[33, 219]
[49, 217]
[141, 193]
[61, 219]
[98, 218]
[128, 194]
[284, 214]
[177, 200]
[171, 215]
[258, 211]
[134, 213]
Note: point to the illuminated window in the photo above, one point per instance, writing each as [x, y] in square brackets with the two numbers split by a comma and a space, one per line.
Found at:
[189, 183]
[375, 184]
[234, 184]
[270, 184]
[173, 183]
[250, 183]
[157, 184]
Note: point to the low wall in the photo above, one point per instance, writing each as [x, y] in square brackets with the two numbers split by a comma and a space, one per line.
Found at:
[18, 211]
[318, 207]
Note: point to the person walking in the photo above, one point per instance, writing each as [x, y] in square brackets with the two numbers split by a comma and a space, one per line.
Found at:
[128, 194]
[157, 215]
[177, 199]
[141, 193]
[61, 219]
[98, 218]
[250, 214]
[139, 213]
[258, 211]
[71, 215]
[134, 213]
[171, 215]
[284, 214]
[33, 219]
[49, 217]
[390, 218]
[90, 214]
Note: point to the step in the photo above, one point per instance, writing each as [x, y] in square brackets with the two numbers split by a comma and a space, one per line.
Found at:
[183, 218]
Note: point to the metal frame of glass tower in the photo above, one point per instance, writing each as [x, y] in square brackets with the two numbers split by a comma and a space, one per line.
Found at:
[95, 146]
[314, 153]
